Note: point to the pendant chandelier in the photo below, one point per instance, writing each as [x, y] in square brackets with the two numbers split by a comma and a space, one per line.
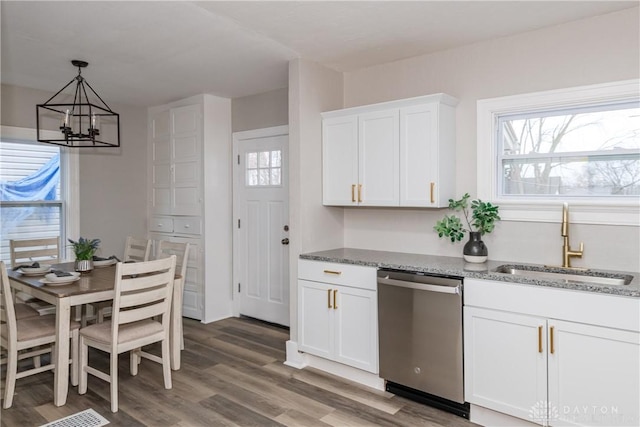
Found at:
[86, 122]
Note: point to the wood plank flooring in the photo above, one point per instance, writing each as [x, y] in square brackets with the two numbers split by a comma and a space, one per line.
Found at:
[232, 375]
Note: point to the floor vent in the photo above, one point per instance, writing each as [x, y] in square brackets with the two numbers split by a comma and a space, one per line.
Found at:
[87, 418]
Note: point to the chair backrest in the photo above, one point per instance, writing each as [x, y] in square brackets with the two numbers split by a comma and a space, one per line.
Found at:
[180, 250]
[142, 291]
[28, 251]
[7, 310]
[137, 249]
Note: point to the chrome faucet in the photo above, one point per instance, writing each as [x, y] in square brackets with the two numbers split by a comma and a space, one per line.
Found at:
[567, 252]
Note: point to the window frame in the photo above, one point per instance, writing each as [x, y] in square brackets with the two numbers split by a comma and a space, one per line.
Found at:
[69, 181]
[586, 210]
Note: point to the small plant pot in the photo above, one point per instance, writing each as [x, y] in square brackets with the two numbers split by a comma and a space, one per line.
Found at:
[83, 265]
[475, 251]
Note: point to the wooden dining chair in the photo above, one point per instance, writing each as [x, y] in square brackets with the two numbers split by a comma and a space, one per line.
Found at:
[142, 291]
[181, 251]
[28, 338]
[26, 251]
[137, 249]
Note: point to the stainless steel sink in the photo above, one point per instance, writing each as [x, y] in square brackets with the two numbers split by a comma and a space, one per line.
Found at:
[559, 274]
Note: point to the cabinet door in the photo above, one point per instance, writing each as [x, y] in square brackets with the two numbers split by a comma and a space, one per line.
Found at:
[315, 330]
[186, 158]
[379, 158]
[594, 375]
[356, 327]
[506, 363]
[160, 161]
[419, 184]
[193, 293]
[340, 161]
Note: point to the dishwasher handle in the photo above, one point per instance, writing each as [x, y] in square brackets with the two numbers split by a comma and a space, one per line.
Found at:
[420, 286]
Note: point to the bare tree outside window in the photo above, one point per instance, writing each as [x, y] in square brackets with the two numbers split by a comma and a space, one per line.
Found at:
[583, 153]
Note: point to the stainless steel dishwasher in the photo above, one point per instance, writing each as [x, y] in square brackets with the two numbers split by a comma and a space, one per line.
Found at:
[420, 338]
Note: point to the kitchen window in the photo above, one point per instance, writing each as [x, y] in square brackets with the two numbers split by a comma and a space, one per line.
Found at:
[578, 145]
[38, 190]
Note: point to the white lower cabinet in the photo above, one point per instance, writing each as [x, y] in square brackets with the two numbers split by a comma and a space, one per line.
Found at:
[193, 291]
[336, 321]
[551, 371]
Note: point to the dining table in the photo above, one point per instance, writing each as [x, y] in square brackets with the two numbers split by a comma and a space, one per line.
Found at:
[96, 285]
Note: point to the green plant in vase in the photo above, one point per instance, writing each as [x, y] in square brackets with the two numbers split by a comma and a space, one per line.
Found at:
[482, 221]
[84, 249]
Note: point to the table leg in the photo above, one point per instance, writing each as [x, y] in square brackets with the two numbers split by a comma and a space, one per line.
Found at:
[176, 318]
[61, 373]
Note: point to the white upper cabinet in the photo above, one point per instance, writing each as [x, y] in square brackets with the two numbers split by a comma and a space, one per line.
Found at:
[399, 153]
[176, 143]
[340, 160]
[379, 159]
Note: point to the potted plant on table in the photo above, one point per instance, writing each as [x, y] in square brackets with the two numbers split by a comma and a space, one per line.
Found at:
[483, 218]
[84, 249]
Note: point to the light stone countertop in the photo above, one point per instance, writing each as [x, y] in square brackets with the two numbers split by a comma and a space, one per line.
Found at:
[457, 267]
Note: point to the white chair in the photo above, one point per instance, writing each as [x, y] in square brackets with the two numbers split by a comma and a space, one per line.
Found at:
[29, 250]
[142, 291]
[181, 251]
[137, 249]
[24, 339]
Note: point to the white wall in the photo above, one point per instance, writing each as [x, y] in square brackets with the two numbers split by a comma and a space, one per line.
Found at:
[112, 180]
[312, 89]
[595, 50]
[259, 111]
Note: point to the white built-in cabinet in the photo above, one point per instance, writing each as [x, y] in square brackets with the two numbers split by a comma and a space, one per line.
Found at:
[552, 357]
[338, 313]
[188, 159]
[399, 153]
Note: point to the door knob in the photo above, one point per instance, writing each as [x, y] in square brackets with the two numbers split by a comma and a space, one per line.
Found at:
[285, 241]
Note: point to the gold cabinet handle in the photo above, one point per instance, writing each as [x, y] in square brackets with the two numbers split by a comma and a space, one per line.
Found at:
[329, 298]
[551, 348]
[539, 339]
[433, 185]
[335, 302]
[337, 273]
[359, 193]
[353, 193]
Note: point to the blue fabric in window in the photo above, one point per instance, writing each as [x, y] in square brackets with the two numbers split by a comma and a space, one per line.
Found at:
[40, 185]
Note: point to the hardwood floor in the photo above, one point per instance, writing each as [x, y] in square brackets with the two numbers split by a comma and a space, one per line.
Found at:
[232, 375]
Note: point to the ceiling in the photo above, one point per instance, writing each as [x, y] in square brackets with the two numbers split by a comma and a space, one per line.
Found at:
[148, 53]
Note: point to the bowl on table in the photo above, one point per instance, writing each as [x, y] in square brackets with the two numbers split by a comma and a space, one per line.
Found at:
[55, 278]
[28, 270]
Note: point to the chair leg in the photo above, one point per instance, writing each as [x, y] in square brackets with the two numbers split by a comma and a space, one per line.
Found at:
[166, 363]
[134, 361]
[37, 362]
[10, 381]
[82, 369]
[113, 373]
[74, 356]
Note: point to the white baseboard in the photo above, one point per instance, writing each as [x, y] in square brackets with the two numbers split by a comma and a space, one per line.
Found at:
[300, 360]
[488, 417]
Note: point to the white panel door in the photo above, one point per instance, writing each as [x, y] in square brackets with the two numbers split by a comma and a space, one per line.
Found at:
[160, 153]
[186, 182]
[506, 363]
[594, 375]
[418, 156]
[261, 208]
[379, 159]
[356, 327]
[340, 161]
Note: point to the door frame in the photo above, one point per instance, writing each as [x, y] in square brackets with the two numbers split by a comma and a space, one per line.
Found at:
[237, 138]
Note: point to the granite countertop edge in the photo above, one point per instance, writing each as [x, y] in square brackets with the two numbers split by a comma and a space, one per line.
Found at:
[456, 267]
